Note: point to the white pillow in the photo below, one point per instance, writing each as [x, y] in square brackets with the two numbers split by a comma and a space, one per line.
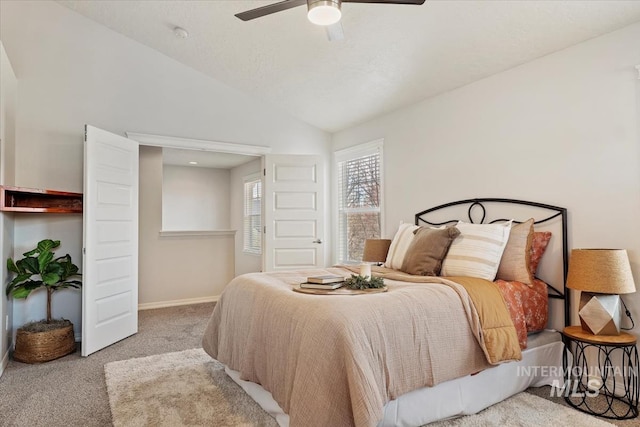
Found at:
[399, 245]
[477, 251]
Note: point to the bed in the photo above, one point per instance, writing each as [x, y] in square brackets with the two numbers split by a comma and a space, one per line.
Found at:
[430, 348]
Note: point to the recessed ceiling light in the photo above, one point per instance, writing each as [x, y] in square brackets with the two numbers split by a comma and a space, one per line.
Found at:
[193, 163]
[180, 32]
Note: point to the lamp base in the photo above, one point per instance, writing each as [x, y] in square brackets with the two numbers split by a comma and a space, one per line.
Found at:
[600, 313]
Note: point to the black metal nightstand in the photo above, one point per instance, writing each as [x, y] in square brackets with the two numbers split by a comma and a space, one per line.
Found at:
[608, 389]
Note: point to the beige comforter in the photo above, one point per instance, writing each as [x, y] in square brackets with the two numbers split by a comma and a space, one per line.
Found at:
[336, 360]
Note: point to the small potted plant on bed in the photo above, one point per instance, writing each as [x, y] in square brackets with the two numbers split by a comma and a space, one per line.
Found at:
[362, 283]
[46, 339]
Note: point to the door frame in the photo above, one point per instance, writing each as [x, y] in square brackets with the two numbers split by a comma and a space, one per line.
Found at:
[203, 145]
[198, 144]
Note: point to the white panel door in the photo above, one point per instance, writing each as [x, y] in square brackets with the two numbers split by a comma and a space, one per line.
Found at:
[294, 208]
[110, 262]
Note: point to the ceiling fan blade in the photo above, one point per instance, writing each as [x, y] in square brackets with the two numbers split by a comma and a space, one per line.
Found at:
[414, 2]
[269, 9]
[335, 32]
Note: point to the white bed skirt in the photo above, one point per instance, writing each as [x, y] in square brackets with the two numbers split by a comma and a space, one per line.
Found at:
[541, 364]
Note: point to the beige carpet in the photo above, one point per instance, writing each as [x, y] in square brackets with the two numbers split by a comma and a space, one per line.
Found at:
[189, 388]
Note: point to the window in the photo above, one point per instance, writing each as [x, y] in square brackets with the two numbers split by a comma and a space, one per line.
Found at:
[253, 214]
[359, 192]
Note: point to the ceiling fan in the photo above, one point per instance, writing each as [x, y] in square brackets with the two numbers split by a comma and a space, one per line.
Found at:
[320, 12]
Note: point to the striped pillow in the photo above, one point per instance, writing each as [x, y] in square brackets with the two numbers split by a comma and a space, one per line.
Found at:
[399, 245]
[477, 251]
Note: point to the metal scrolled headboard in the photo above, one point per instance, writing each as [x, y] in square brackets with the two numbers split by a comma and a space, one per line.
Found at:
[478, 205]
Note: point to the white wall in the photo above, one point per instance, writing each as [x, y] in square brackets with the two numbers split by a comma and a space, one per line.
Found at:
[195, 198]
[245, 262]
[562, 130]
[8, 88]
[72, 71]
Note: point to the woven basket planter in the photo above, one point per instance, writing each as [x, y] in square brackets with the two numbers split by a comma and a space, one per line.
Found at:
[38, 347]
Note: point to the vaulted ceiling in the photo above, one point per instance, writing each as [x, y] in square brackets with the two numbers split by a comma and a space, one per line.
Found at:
[391, 55]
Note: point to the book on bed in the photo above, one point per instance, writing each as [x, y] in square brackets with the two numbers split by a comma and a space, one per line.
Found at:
[323, 280]
[326, 286]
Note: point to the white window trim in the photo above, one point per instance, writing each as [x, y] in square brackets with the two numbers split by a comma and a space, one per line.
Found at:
[248, 178]
[346, 154]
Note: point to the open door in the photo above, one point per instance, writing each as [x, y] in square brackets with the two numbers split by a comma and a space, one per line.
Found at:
[294, 212]
[110, 220]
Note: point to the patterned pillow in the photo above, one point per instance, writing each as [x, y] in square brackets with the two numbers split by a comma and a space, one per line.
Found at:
[516, 258]
[539, 242]
[477, 251]
[399, 245]
[427, 250]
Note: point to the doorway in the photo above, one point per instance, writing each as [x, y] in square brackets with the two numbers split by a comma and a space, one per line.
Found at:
[204, 192]
[179, 267]
[190, 225]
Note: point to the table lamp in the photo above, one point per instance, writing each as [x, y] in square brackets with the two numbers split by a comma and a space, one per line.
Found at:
[375, 251]
[601, 275]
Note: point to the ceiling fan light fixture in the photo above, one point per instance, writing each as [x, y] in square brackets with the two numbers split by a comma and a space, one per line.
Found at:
[324, 12]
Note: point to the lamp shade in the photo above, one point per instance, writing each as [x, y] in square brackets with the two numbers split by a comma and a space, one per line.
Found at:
[603, 271]
[375, 250]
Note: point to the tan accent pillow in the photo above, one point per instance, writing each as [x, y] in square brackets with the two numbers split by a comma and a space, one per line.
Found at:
[427, 250]
[516, 258]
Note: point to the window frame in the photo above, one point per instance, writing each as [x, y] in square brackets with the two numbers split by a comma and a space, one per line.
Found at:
[250, 179]
[352, 153]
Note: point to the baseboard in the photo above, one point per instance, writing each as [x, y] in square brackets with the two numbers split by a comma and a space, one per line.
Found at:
[4, 362]
[174, 303]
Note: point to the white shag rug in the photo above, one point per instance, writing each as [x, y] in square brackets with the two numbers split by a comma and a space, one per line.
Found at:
[190, 388]
[185, 388]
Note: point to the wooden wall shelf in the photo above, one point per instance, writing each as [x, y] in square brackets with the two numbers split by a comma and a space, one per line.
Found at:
[19, 199]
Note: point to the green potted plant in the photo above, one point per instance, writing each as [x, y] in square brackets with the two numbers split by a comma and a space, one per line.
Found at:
[49, 338]
[360, 283]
